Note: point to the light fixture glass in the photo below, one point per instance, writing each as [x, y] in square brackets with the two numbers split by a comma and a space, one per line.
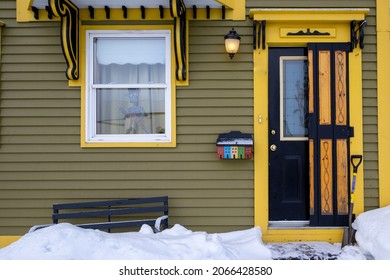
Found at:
[232, 43]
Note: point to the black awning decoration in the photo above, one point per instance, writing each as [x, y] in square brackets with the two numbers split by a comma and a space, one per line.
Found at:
[357, 34]
[69, 14]
[91, 12]
[124, 10]
[107, 10]
[35, 11]
[259, 34]
[143, 14]
[161, 8]
[308, 32]
[178, 12]
[49, 12]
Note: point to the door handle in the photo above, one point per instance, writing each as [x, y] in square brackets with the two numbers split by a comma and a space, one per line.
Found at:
[273, 147]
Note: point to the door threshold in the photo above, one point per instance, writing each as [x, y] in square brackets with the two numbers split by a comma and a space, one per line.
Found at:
[298, 225]
[288, 224]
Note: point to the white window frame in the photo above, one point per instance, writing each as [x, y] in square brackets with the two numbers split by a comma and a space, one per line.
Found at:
[90, 95]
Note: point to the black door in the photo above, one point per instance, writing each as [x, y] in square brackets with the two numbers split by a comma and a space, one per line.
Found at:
[288, 135]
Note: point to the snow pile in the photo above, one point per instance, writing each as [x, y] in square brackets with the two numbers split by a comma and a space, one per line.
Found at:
[68, 242]
[373, 232]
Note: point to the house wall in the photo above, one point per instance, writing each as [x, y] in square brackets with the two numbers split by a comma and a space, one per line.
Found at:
[41, 161]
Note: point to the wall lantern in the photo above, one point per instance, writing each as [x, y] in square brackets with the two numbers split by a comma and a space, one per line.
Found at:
[232, 43]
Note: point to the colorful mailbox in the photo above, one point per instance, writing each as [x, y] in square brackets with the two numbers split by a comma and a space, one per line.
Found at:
[234, 145]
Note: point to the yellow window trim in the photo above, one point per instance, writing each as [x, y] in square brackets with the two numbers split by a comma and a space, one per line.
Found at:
[82, 83]
[337, 21]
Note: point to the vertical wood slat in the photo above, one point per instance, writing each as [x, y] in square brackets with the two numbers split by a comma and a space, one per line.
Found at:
[341, 87]
[311, 175]
[326, 177]
[311, 82]
[342, 176]
[324, 87]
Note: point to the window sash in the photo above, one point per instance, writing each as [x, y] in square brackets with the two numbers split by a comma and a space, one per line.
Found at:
[91, 94]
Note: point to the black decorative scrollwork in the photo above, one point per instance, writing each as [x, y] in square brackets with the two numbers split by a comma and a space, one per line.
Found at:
[308, 33]
[178, 12]
[69, 14]
[357, 33]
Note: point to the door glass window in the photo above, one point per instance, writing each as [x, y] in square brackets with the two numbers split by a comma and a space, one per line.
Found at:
[293, 98]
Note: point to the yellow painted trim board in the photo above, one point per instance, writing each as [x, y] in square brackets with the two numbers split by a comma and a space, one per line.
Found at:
[383, 93]
[7, 240]
[331, 235]
[277, 19]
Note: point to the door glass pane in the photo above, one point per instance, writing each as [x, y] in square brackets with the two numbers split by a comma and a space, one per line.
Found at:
[130, 111]
[294, 98]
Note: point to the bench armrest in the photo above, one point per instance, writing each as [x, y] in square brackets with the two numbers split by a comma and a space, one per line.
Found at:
[157, 224]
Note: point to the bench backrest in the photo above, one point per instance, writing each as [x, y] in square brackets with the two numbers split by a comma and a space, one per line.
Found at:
[112, 208]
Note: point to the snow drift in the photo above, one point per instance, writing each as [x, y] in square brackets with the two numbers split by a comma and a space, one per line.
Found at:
[68, 242]
[373, 232]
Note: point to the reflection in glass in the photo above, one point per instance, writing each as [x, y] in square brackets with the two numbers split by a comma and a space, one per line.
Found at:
[130, 111]
[295, 98]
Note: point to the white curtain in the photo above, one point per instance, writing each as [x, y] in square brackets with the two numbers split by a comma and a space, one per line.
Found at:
[130, 110]
[133, 110]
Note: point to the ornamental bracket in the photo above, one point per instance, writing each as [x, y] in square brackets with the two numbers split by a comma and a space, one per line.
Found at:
[178, 12]
[69, 14]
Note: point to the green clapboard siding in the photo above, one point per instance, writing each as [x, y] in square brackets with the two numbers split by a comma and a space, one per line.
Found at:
[41, 161]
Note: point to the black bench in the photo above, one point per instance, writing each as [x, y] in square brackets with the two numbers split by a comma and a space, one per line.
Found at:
[122, 213]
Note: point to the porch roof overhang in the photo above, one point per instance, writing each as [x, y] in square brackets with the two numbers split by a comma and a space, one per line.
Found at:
[33, 10]
[72, 13]
[83, 4]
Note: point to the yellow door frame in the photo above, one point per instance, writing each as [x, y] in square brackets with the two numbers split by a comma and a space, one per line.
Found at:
[383, 74]
[280, 22]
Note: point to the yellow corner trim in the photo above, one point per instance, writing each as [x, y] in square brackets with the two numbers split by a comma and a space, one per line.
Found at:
[383, 74]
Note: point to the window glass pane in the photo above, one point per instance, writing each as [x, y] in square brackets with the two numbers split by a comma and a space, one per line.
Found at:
[129, 60]
[295, 98]
[130, 111]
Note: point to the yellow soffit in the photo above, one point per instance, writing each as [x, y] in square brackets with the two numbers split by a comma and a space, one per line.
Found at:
[323, 15]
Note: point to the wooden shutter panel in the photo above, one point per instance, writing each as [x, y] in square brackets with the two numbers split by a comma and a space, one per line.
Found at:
[329, 133]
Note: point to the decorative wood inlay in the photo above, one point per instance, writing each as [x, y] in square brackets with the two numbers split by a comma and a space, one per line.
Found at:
[342, 176]
[341, 87]
[324, 86]
[326, 177]
[311, 89]
[311, 175]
